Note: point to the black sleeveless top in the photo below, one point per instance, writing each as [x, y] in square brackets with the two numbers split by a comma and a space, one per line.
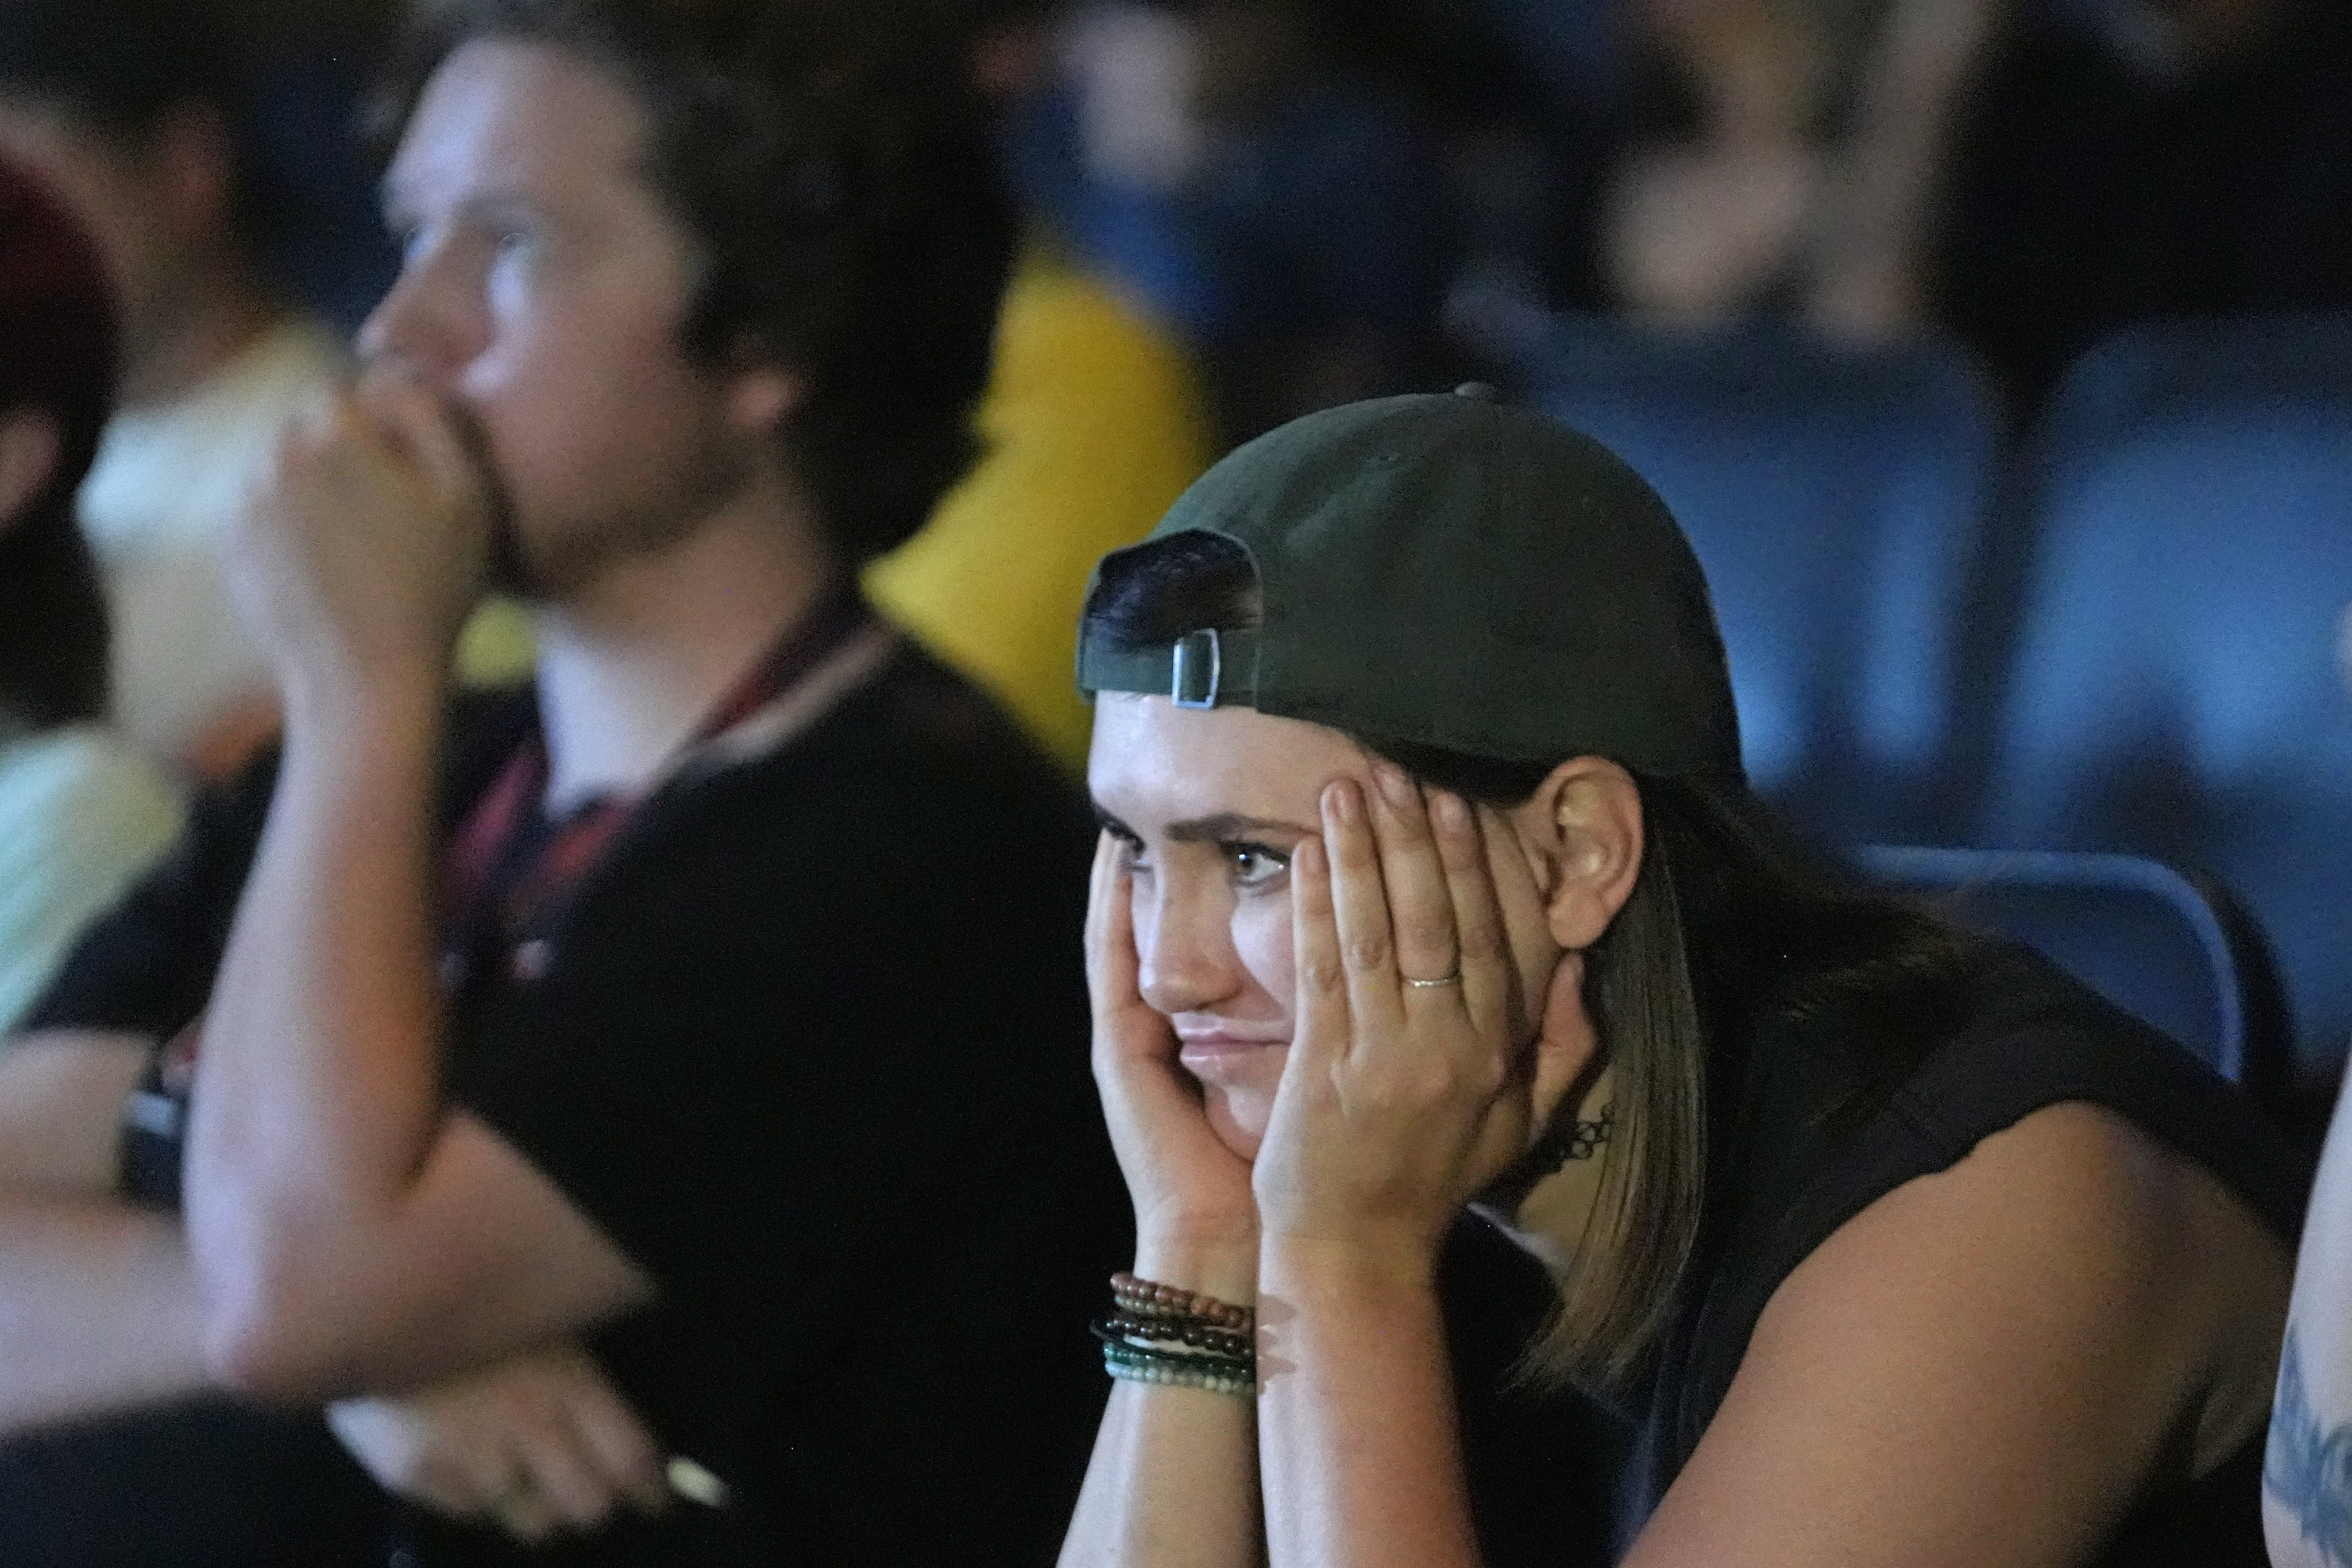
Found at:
[1793, 1159]
[1790, 1170]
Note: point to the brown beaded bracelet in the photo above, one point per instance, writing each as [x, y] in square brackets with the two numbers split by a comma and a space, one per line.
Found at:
[1147, 1299]
[1187, 1331]
[1108, 1330]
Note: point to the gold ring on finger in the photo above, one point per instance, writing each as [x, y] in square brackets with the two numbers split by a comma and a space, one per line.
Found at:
[1453, 979]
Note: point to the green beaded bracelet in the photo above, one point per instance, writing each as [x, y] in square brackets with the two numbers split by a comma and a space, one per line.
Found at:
[1213, 1373]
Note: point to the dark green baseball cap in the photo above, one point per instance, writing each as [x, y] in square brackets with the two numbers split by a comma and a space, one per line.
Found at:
[1448, 571]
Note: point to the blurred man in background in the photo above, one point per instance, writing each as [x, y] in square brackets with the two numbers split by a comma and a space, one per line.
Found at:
[1094, 420]
[661, 1094]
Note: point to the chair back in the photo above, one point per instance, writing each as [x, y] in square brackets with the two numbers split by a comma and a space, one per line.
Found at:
[2178, 687]
[2171, 945]
[1834, 495]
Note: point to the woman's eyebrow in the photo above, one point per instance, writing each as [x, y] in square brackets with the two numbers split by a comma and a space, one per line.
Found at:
[1230, 824]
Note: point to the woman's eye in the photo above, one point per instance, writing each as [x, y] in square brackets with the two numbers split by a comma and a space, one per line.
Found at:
[1255, 864]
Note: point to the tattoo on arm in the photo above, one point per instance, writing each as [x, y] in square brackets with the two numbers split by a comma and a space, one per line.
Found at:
[2309, 1470]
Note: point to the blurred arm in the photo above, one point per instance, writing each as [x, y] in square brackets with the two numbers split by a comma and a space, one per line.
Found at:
[349, 1231]
[2306, 1482]
[1875, 233]
[98, 1308]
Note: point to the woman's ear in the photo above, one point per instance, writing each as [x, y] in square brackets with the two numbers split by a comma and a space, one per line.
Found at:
[1582, 829]
[28, 459]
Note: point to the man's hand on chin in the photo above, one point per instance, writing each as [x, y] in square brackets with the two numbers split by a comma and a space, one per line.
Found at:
[360, 551]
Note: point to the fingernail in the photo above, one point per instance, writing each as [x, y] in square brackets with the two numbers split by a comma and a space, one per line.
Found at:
[692, 1482]
[1395, 785]
[1346, 806]
[1452, 814]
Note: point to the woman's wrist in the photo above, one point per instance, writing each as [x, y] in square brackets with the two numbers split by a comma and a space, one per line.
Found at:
[1226, 1270]
[1301, 1268]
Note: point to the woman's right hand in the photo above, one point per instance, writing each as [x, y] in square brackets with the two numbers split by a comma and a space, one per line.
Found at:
[1195, 1216]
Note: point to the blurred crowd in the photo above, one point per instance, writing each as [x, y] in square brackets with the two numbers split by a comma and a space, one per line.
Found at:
[1283, 205]
[1242, 210]
[1223, 214]
[1328, 200]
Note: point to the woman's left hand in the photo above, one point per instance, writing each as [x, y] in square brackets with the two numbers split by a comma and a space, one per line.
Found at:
[1402, 1101]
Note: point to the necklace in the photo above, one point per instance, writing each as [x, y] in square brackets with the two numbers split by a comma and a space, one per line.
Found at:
[1571, 1139]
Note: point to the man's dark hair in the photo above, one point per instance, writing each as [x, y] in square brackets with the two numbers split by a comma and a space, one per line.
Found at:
[57, 356]
[831, 163]
[122, 68]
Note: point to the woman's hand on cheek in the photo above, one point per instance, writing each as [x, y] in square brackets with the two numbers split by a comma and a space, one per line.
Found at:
[1193, 1211]
[1400, 1101]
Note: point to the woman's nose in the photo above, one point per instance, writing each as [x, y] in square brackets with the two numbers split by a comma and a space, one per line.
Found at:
[1186, 957]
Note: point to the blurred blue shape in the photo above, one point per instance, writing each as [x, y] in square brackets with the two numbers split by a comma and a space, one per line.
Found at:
[2172, 946]
[325, 244]
[1581, 49]
[2178, 687]
[1836, 496]
[1149, 241]
[1321, 213]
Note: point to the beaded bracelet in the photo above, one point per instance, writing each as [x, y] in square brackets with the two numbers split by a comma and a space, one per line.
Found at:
[1209, 1361]
[1147, 1299]
[1114, 1330]
[1140, 1335]
[1177, 1330]
[1214, 1373]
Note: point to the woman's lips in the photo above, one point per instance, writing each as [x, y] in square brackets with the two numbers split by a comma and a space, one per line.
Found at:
[1211, 1055]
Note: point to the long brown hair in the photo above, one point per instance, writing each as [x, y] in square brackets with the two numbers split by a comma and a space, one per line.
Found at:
[1732, 921]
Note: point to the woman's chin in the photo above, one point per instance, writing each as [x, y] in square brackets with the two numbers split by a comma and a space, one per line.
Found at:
[1238, 1118]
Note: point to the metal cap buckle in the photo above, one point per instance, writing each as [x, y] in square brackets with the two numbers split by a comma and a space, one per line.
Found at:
[1197, 663]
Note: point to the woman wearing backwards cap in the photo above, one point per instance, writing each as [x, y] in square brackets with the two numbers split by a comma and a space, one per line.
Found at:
[1430, 881]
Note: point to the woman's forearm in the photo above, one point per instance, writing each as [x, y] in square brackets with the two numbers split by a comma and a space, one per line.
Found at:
[1173, 1481]
[1172, 1484]
[1361, 1461]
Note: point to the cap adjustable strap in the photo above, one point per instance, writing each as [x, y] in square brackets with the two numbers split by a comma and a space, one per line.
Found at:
[1196, 663]
[1204, 668]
